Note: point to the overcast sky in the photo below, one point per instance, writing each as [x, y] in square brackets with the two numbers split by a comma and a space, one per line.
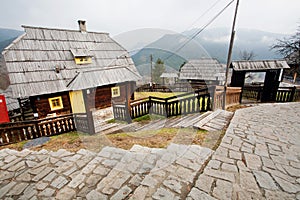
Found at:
[117, 16]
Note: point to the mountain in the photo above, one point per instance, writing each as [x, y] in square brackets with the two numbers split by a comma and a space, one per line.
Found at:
[135, 40]
[209, 43]
[7, 36]
[216, 42]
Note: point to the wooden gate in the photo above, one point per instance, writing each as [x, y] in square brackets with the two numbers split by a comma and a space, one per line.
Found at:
[84, 122]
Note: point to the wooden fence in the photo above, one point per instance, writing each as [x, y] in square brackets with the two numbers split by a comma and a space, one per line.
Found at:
[25, 130]
[193, 102]
[121, 112]
[84, 122]
[233, 95]
[284, 94]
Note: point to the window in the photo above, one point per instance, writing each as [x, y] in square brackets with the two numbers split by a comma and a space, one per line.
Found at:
[55, 103]
[115, 91]
[82, 56]
[83, 60]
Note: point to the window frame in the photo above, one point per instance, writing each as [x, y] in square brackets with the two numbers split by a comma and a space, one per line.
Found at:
[57, 100]
[118, 93]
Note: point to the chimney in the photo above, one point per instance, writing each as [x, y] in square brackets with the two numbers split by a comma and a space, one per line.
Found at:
[82, 26]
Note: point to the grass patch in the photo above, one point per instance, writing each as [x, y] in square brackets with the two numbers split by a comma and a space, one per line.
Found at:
[161, 138]
[111, 121]
[149, 117]
[157, 139]
[142, 118]
[139, 95]
[17, 146]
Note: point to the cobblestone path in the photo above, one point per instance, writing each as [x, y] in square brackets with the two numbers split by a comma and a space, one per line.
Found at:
[258, 158]
[111, 174]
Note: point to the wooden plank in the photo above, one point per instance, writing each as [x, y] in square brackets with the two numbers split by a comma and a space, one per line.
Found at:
[207, 119]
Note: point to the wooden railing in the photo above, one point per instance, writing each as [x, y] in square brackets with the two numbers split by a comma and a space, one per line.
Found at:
[252, 92]
[288, 94]
[284, 94]
[140, 107]
[192, 102]
[121, 112]
[25, 130]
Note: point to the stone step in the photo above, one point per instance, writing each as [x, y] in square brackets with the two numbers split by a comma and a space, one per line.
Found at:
[112, 173]
[215, 121]
[173, 173]
[129, 171]
[171, 122]
[120, 128]
[189, 122]
[153, 125]
[105, 127]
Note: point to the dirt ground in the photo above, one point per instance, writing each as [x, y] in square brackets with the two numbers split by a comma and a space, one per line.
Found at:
[75, 141]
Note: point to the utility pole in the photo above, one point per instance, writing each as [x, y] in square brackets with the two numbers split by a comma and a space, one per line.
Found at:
[151, 59]
[229, 54]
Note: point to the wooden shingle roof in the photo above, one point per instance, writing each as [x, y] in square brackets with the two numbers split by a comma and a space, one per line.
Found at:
[259, 65]
[207, 69]
[41, 61]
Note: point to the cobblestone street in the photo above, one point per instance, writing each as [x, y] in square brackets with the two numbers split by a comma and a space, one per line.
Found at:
[258, 158]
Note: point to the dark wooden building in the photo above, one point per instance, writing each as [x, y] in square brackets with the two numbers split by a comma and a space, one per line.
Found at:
[272, 68]
[58, 71]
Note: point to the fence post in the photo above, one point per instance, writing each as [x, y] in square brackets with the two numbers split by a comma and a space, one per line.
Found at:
[167, 108]
[90, 121]
[213, 96]
[37, 128]
[292, 94]
[150, 105]
[127, 114]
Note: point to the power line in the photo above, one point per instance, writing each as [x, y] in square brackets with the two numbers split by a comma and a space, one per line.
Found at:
[195, 21]
[202, 29]
[192, 24]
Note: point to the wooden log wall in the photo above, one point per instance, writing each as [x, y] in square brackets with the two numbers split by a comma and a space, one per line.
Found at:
[42, 106]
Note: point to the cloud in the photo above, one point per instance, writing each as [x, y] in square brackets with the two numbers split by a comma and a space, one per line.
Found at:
[116, 16]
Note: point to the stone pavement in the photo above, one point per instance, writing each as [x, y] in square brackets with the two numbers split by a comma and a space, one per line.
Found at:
[258, 158]
[110, 174]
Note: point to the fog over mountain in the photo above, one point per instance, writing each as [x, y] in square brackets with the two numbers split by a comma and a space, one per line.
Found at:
[7, 36]
[174, 49]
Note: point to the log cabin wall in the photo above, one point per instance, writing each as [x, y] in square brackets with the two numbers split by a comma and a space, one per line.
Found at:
[42, 106]
[101, 97]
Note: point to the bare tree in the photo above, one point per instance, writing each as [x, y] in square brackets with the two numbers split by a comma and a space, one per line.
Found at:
[288, 46]
[246, 55]
[290, 49]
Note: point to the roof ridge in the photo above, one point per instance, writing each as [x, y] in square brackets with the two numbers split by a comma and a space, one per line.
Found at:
[268, 60]
[60, 29]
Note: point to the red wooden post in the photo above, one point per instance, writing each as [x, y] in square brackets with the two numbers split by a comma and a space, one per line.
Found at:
[3, 110]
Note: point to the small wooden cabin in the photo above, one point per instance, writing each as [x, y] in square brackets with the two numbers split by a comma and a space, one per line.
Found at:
[59, 71]
[207, 71]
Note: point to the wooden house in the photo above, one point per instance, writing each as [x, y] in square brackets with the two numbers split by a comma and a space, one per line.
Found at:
[58, 71]
[206, 71]
[169, 77]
